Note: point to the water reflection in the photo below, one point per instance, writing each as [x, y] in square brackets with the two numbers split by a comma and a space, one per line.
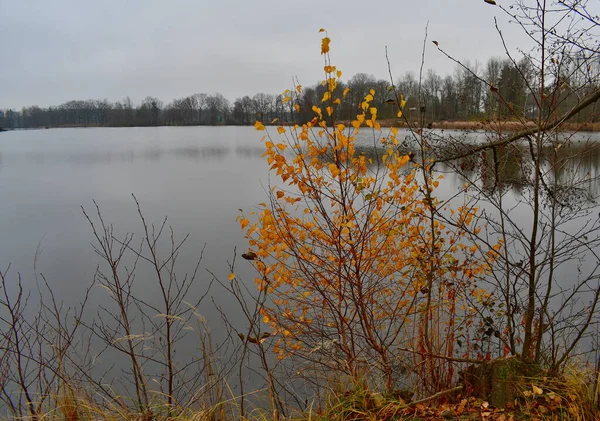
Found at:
[47, 175]
[574, 166]
[193, 153]
[106, 157]
[572, 163]
[249, 151]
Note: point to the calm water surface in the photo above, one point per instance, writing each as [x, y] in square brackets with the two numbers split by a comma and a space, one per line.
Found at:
[200, 177]
[197, 176]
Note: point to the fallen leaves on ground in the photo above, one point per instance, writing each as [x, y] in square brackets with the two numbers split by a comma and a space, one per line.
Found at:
[534, 406]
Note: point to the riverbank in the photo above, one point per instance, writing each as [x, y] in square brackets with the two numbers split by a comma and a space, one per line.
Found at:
[491, 125]
[483, 125]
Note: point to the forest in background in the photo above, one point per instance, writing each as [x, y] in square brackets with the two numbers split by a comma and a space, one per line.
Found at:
[461, 96]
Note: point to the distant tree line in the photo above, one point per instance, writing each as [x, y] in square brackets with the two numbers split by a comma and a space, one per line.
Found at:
[459, 96]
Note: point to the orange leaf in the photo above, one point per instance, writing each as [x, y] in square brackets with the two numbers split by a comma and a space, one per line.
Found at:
[536, 390]
[325, 45]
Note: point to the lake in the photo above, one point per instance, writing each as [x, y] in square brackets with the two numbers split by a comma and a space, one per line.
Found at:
[200, 177]
[197, 176]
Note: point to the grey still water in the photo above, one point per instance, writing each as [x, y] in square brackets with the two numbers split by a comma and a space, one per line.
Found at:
[200, 177]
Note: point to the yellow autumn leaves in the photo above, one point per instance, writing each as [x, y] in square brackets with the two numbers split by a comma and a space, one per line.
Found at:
[325, 45]
[346, 245]
[258, 125]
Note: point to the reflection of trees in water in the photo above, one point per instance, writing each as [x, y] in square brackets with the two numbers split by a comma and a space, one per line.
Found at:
[577, 167]
[506, 168]
[572, 173]
[373, 155]
[571, 170]
[150, 154]
[250, 151]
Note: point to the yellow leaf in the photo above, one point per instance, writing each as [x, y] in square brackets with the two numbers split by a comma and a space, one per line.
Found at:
[280, 130]
[322, 30]
[399, 114]
[372, 92]
[331, 84]
[325, 45]
[299, 88]
[334, 170]
[280, 194]
[317, 110]
[326, 96]
[339, 73]
[536, 390]
[297, 107]
[281, 146]
[266, 319]
[286, 99]
[231, 276]
[259, 126]
[346, 92]
[244, 223]
[274, 120]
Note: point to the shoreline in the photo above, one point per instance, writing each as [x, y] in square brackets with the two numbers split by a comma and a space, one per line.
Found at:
[491, 125]
[484, 125]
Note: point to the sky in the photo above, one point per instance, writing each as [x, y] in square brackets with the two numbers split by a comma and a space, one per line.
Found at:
[59, 50]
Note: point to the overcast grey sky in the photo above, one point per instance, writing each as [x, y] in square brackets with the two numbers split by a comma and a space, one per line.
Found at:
[52, 51]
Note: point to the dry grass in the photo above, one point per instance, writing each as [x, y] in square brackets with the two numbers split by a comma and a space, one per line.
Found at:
[500, 125]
